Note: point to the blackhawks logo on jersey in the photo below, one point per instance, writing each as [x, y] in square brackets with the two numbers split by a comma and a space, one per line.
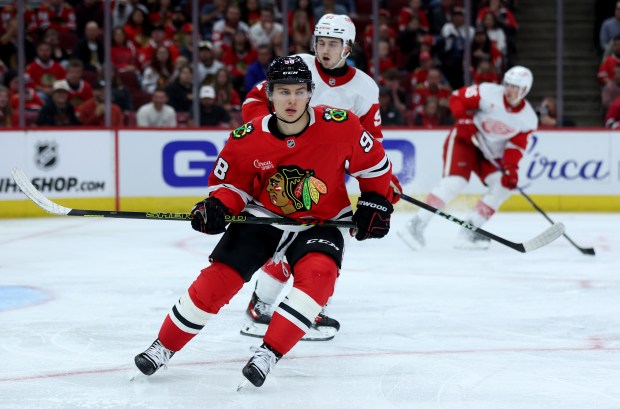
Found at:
[294, 189]
[243, 130]
[336, 115]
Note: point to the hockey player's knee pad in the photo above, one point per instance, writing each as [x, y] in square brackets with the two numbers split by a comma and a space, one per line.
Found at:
[315, 275]
[214, 287]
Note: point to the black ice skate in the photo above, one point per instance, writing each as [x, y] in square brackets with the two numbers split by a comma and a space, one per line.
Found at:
[259, 366]
[156, 356]
[258, 316]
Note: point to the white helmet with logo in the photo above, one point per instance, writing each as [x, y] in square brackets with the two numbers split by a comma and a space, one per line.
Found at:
[336, 26]
[519, 77]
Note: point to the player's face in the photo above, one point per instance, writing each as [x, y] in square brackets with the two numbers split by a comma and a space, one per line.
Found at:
[511, 92]
[290, 100]
[329, 52]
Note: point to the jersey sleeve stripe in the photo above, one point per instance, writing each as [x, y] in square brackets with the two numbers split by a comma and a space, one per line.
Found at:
[244, 196]
[379, 169]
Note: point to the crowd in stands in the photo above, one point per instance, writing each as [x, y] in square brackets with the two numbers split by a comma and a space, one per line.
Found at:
[608, 13]
[421, 49]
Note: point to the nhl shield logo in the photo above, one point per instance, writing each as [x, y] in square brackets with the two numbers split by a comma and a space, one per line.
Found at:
[46, 155]
[290, 143]
[332, 82]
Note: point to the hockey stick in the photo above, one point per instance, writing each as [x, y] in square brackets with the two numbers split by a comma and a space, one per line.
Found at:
[537, 242]
[584, 250]
[54, 208]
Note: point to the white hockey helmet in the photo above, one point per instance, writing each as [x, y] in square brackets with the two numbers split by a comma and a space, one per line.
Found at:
[521, 77]
[336, 26]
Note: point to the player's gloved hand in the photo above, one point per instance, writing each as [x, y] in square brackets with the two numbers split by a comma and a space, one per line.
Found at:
[372, 216]
[465, 127]
[511, 176]
[209, 216]
[397, 189]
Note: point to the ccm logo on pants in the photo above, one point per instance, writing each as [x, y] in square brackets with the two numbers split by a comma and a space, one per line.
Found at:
[321, 241]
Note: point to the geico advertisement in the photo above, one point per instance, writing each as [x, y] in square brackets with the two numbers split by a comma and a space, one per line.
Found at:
[171, 163]
[61, 164]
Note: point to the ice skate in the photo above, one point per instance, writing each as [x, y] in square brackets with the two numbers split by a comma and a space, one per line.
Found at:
[469, 240]
[257, 318]
[413, 234]
[156, 356]
[259, 366]
[323, 329]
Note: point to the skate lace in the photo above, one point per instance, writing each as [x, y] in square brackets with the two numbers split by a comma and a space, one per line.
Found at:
[261, 308]
[263, 359]
[159, 354]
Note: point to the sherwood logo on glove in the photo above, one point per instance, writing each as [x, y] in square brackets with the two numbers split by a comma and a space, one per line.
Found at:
[372, 205]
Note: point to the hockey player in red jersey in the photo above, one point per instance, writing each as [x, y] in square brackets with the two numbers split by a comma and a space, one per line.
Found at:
[493, 126]
[337, 85]
[283, 165]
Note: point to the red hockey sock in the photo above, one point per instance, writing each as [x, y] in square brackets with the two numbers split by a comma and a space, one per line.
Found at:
[277, 270]
[213, 288]
[315, 278]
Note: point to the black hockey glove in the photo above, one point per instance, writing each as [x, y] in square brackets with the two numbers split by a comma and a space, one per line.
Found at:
[372, 216]
[209, 216]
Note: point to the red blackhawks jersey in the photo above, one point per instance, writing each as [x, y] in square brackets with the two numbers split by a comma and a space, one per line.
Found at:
[500, 126]
[355, 92]
[299, 176]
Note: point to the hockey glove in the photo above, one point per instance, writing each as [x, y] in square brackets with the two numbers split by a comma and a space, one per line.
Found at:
[209, 216]
[511, 177]
[372, 217]
[397, 189]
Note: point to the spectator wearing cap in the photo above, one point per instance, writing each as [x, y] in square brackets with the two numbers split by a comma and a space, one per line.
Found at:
[453, 35]
[92, 112]
[610, 29]
[180, 92]
[208, 64]
[211, 113]
[265, 29]
[390, 115]
[44, 71]
[157, 114]
[79, 90]
[606, 69]
[328, 7]
[57, 111]
[58, 15]
[257, 71]
[89, 49]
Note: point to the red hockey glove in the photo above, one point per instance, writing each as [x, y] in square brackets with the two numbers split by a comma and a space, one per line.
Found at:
[465, 128]
[209, 216]
[372, 216]
[511, 176]
[397, 189]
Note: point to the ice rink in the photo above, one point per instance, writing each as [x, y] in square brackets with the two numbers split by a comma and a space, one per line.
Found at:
[440, 329]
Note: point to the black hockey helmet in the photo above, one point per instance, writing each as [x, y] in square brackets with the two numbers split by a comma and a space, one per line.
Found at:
[288, 70]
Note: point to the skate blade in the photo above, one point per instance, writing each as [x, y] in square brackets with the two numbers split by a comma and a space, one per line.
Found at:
[252, 329]
[137, 375]
[243, 385]
[320, 334]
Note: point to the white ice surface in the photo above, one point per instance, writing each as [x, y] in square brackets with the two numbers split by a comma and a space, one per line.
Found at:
[440, 329]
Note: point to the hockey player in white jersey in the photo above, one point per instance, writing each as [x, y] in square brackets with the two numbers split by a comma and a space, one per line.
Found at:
[493, 126]
[337, 85]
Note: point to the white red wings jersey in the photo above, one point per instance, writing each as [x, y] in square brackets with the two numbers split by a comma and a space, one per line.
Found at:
[499, 125]
[355, 92]
[299, 176]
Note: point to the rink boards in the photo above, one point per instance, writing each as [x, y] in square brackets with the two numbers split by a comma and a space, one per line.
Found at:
[167, 170]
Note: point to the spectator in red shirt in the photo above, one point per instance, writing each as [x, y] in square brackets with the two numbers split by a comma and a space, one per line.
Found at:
[79, 90]
[504, 17]
[606, 69]
[431, 87]
[414, 10]
[32, 101]
[385, 32]
[58, 15]
[158, 38]
[123, 52]
[9, 12]
[162, 13]
[611, 90]
[612, 118]
[430, 116]
[419, 75]
[485, 72]
[237, 59]
[178, 29]
[250, 12]
[138, 28]
[44, 71]
[226, 95]
[92, 112]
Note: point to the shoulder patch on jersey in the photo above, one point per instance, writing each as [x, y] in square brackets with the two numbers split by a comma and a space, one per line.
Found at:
[243, 130]
[336, 115]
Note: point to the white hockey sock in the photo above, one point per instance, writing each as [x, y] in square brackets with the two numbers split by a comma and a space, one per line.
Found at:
[448, 189]
[268, 288]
